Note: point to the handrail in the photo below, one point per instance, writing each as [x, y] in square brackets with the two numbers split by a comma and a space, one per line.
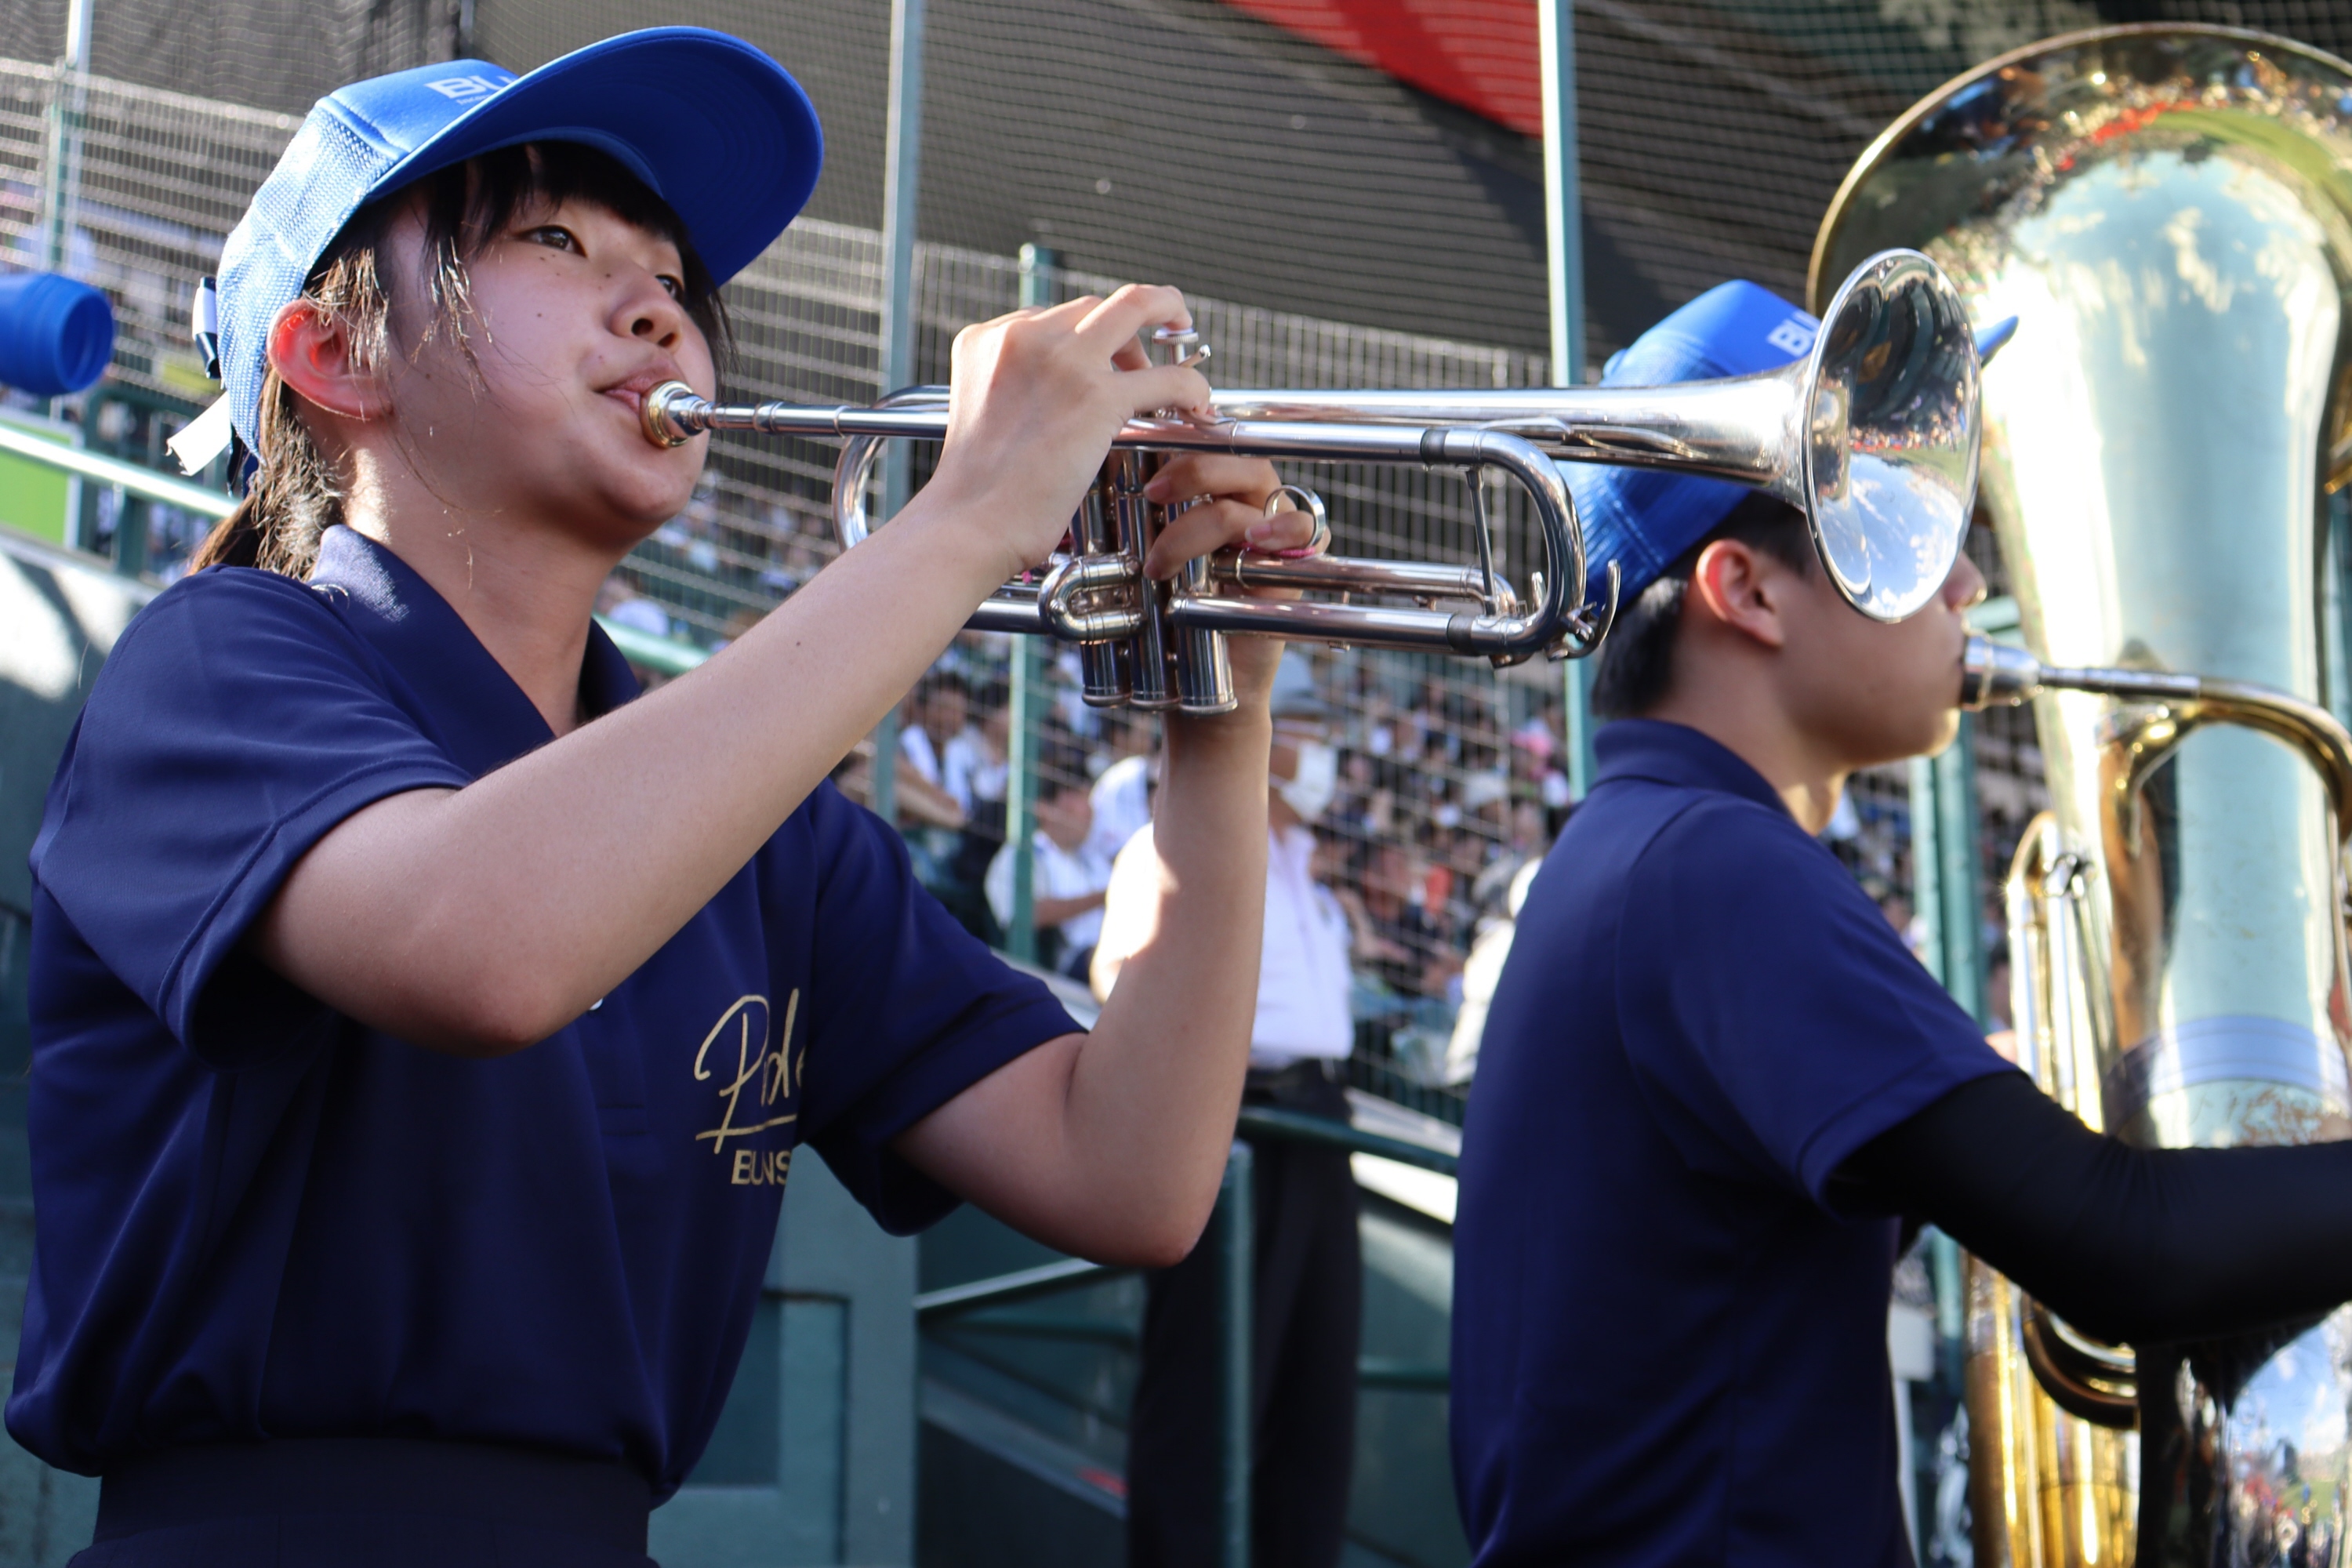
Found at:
[141, 482]
[667, 655]
[1021, 1285]
[1297, 1127]
[1070, 1273]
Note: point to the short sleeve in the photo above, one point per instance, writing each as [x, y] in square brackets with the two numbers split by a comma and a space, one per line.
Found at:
[906, 1010]
[237, 721]
[1776, 1021]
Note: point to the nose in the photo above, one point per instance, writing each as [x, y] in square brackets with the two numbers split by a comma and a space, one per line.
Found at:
[1965, 586]
[648, 311]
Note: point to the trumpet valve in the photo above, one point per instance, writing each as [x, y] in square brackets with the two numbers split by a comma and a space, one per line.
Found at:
[1183, 344]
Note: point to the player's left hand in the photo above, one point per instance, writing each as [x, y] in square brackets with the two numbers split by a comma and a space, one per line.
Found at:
[1229, 496]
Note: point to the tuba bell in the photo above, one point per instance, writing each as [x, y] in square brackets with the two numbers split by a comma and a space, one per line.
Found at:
[2167, 210]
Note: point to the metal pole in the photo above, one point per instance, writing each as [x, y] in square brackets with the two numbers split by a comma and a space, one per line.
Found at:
[1236, 1228]
[1563, 204]
[1946, 885]
[1928, 866]
[1564, 288]
[902, 167]
[1020, 797]
[67, 109]
[1959, 880]
[1021, 737]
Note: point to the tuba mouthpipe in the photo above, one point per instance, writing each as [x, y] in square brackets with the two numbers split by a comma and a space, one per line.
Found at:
[1997, 675]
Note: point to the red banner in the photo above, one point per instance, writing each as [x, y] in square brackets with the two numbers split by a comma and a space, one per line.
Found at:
[1480, 54]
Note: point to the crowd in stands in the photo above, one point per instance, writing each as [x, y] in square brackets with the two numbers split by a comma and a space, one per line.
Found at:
[1451, 783]
[1448, 786]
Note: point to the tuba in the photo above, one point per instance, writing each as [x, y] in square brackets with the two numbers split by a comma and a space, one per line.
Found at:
[2167, 210]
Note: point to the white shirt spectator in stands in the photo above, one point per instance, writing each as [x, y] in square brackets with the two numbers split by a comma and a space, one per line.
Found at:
[1056, 873]
[1302, 980]
[1480, 975]
[641, 614]
[1121, 799]
[915, 747]
[964, 764]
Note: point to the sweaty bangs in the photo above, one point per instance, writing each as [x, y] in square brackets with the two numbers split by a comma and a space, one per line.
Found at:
[468, 206]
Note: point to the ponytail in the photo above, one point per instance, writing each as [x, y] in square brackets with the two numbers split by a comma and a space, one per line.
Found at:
[296, 494]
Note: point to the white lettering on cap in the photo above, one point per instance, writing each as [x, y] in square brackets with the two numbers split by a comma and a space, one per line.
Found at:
[467, 89]
[1792, 336]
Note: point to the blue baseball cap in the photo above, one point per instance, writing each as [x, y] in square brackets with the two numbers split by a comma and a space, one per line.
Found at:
[711, 125]
[1645, 518]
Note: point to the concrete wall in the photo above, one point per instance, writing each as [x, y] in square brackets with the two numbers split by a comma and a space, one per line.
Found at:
[59, 614]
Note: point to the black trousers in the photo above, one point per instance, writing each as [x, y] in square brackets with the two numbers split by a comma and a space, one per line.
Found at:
[1308, 1326]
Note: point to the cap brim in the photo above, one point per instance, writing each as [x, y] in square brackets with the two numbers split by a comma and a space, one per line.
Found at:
[715, 128]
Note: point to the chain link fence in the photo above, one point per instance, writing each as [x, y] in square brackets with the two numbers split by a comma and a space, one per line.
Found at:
[1452, 774]
[1435, 793]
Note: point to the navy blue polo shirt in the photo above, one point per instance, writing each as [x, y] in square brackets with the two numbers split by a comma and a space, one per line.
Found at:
[1669, 1343]
[256, 1217]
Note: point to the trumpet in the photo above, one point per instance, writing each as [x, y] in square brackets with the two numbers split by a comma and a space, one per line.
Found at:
[1872, 433]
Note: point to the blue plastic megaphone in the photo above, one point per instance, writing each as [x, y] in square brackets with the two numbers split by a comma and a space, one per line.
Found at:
[56, 336]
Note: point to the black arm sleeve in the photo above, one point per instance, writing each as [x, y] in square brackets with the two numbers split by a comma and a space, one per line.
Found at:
[2142, 1245]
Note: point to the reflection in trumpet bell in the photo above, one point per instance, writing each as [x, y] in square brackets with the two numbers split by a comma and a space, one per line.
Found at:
[2046, 1489]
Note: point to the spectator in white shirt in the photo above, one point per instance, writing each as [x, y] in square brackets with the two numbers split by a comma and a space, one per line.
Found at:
[1067, 880]
[939, 715]
[1308, 1272]
[1122, 796]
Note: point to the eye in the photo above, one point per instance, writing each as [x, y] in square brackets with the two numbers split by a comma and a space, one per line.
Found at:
[677, 286]
[555, 236]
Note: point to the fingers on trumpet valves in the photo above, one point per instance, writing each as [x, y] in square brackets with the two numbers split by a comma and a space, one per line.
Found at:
[1226, 522]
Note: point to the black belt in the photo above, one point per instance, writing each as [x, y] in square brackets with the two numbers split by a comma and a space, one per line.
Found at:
[603, 1500]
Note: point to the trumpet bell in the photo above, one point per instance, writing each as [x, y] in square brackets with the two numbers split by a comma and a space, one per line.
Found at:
[1891, 433]
[1871, 434]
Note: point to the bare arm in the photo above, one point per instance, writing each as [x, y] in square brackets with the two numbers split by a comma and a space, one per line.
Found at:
[1110, 1144]
[479, 920]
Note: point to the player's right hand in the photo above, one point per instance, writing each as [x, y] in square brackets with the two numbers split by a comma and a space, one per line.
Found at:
[1035, 398]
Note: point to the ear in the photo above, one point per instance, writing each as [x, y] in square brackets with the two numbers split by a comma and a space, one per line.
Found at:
[1743, 589]
[313, 352]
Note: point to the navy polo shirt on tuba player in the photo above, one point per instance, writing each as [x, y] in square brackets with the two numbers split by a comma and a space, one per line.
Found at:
[261, 1219]
[1669, 1338]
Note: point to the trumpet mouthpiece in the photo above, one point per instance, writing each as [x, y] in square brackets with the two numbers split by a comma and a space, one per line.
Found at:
[673, 413]
[1995, 675]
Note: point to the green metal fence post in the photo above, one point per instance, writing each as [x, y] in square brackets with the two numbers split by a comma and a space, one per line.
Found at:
[1945, 882]
[1564, 292]
[1962, 882]
[1020, 797]
[1576, 684]
[1021, 737]
[1236, 1310]
[901, 175]
[69, 112]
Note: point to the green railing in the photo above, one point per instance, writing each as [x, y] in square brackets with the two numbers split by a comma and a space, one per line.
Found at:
[1232, 1231]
